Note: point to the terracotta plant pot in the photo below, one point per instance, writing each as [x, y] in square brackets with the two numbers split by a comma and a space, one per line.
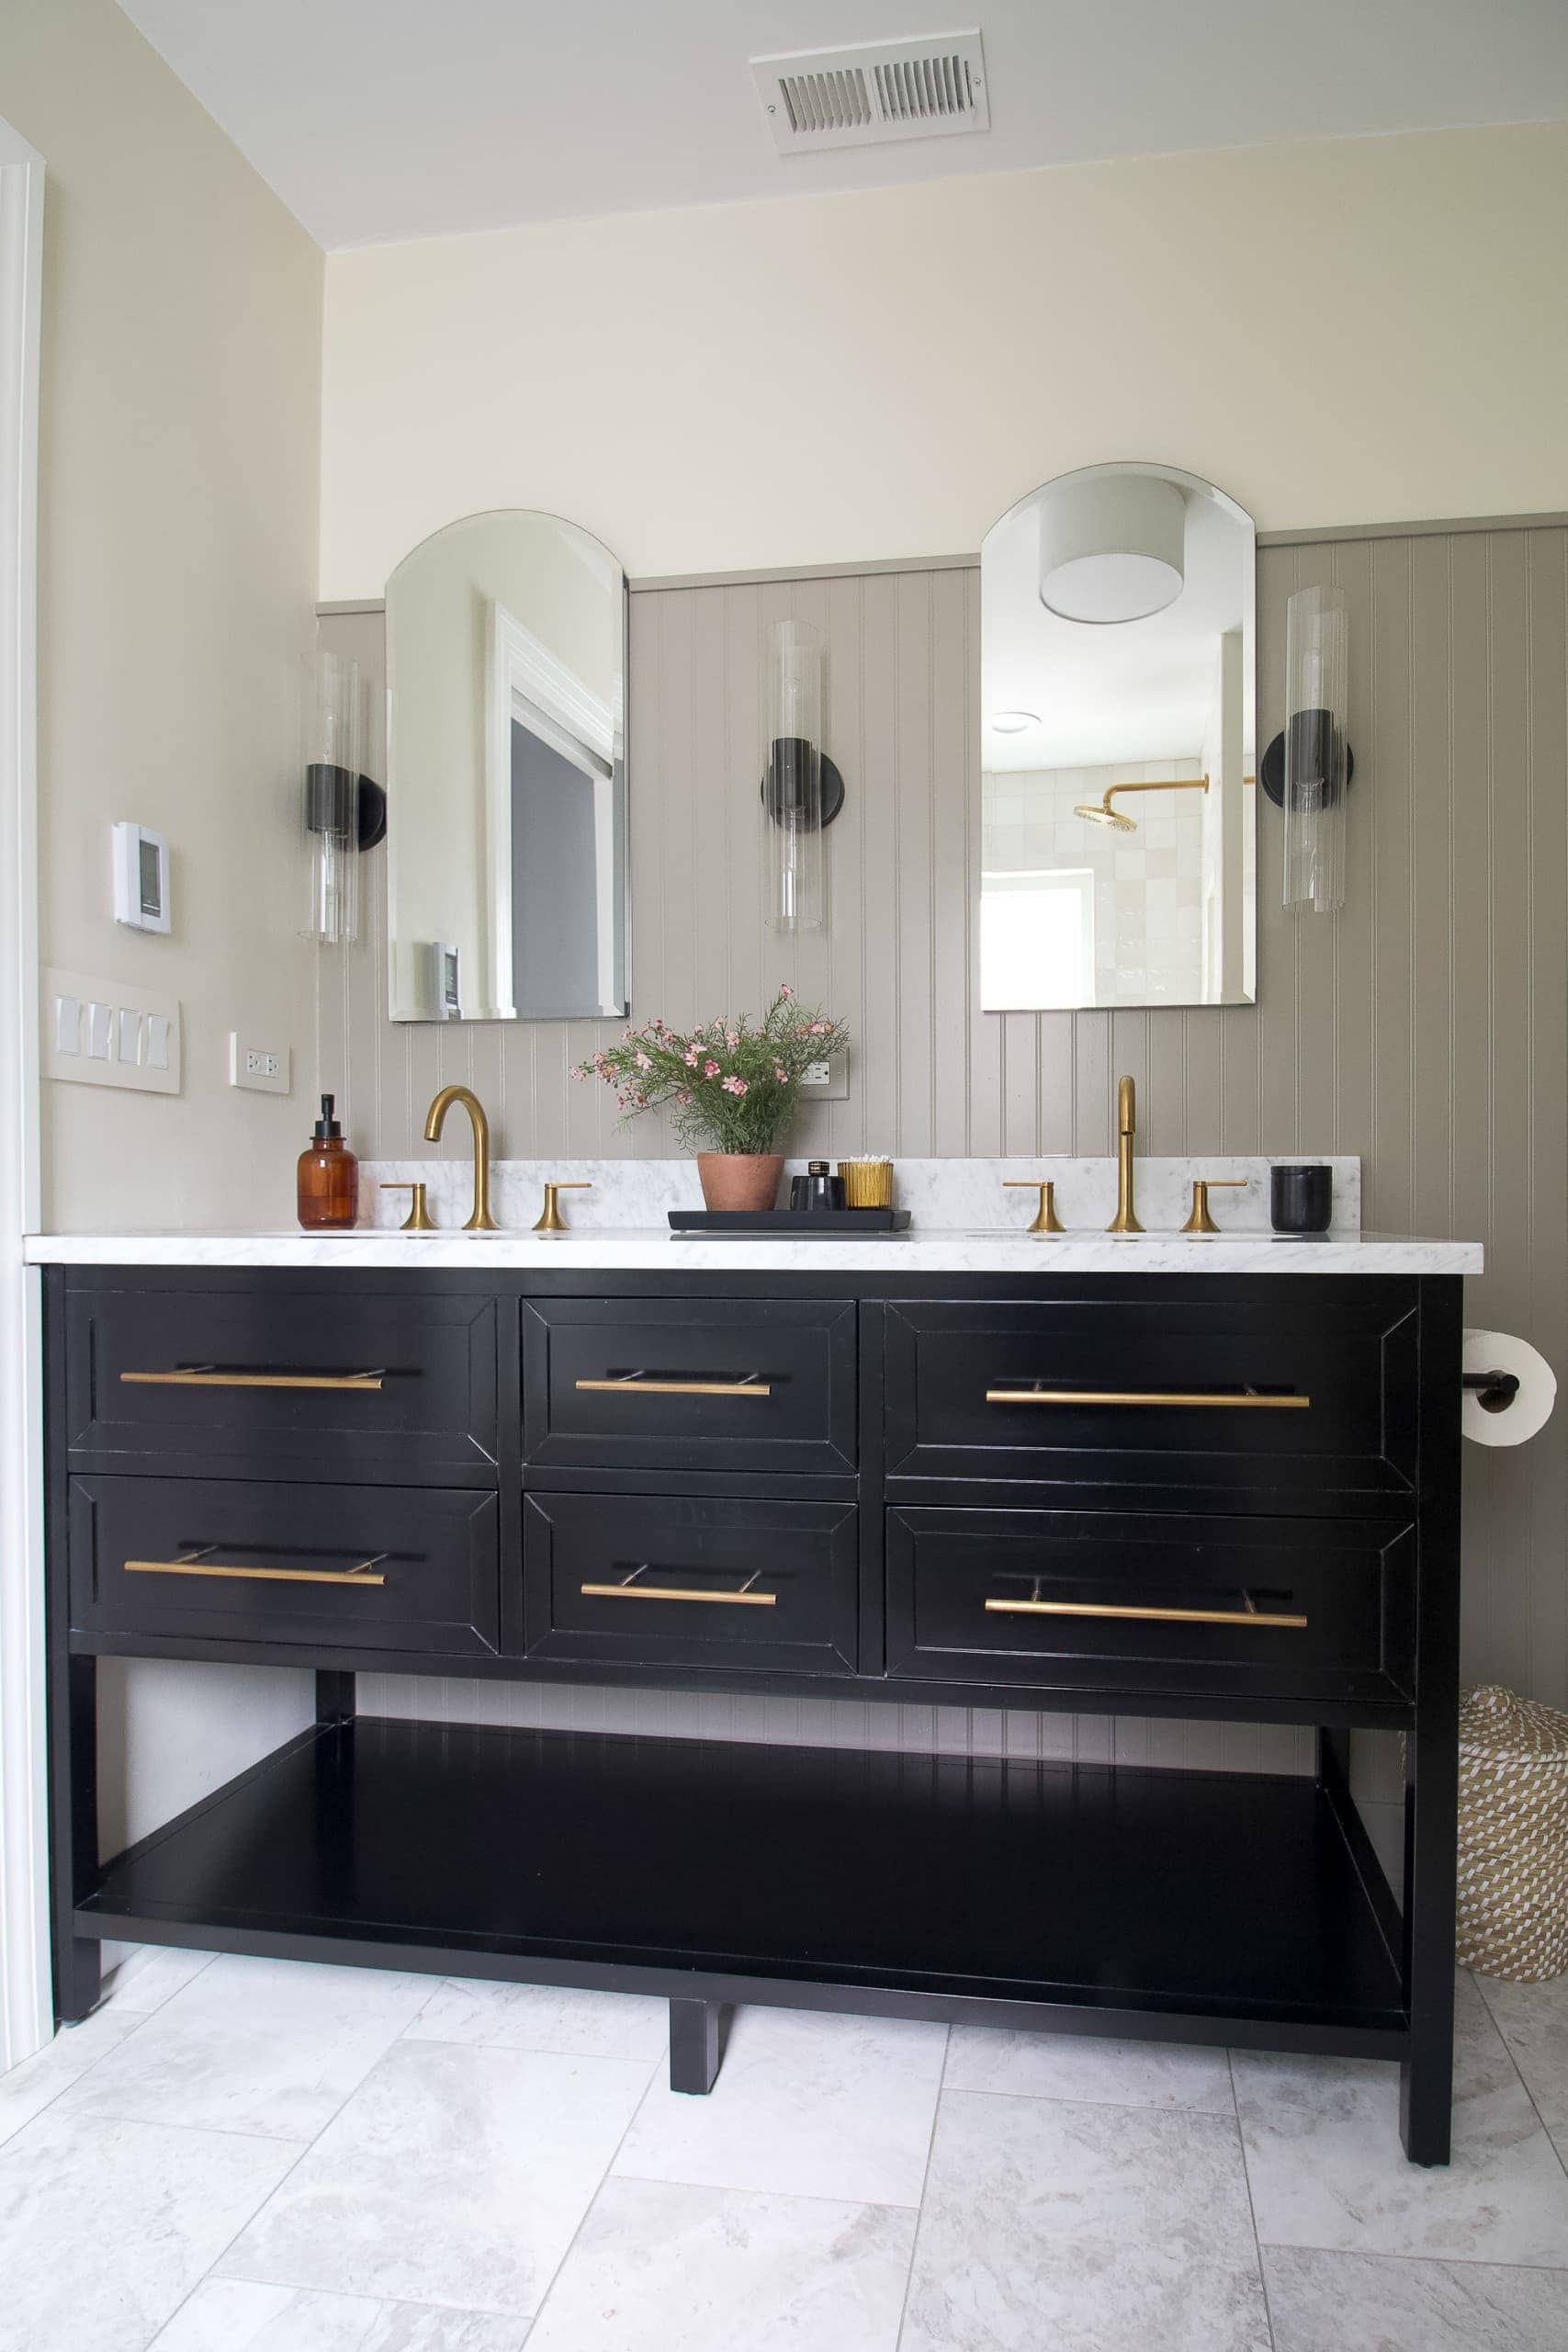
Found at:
[740, 1179]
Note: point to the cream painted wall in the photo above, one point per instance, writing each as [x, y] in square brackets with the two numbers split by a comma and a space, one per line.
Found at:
[1346, 331]
[178, 527]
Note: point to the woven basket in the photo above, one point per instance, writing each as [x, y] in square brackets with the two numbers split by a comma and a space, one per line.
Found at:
[1513, 1837]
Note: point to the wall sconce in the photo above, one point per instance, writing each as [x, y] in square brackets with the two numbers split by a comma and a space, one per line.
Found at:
[343, 811]
[1306, 771]
[802, 789]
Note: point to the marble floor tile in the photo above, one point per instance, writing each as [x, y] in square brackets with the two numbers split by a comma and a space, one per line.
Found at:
[106, 2226]
[451, 2176]
[541, 2017]
[32, 2087]
[805, 2105]
[151, 1974]
[1327, 2168]
[1533, 2021]
[1081, 2066]
[1083, 2229]
[270, 2046]
[235, 2315]
[1359, 2302]
[660, 2265]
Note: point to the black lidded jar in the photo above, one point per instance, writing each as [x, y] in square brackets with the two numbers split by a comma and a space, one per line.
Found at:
[1300, 1199]
[817, 1189]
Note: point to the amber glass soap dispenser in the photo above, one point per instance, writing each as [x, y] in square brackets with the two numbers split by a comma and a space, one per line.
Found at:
[328, 1176]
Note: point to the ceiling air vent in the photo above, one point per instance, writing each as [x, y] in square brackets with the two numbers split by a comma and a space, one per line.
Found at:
[859, 98]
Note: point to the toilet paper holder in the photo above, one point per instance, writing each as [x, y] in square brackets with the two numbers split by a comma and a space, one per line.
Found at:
[1494, 1391]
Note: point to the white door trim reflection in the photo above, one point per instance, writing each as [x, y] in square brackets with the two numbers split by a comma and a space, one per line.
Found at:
[526, 682]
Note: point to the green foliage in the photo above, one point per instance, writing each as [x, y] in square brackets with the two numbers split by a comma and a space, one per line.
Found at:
[728, 1086]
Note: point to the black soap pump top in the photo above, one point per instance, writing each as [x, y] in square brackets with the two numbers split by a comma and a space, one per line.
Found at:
[328, 1178]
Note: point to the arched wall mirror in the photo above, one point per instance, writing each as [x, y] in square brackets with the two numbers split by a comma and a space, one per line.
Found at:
[506, 857]
[1118, 701]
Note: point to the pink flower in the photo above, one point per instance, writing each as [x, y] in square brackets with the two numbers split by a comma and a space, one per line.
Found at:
[781, 1073]
[819, 1029]
[735, 1086]
[692, 1056]
[731, 1039]
[785, 991]
[684, 1099]
[710, 1070]
[643, 1062]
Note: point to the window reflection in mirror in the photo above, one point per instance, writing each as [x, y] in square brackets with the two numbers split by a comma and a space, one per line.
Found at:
[506, 773]
[1118, 734]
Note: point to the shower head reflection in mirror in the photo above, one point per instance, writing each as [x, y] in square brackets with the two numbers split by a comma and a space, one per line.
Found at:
[506, 773]
[1117, 656]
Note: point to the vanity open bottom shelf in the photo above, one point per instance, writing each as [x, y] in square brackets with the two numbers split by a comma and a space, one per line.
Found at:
[1179, 1905]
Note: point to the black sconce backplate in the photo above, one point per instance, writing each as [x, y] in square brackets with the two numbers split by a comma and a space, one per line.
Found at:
[326, 798]
[776, 788]
[1309, 724]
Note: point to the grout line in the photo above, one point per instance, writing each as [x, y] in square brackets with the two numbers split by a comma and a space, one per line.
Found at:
[607, 2176]
[1251, 2208]
[920, 2207]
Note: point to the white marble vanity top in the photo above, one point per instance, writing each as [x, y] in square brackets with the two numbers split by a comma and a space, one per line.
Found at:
[927, 1250]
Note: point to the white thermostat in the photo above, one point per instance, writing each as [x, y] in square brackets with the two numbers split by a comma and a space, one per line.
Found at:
[140, 878]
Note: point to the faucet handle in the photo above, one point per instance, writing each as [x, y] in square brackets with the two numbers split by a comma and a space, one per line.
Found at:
[1046, 1220]
[1200, 1221]
[551, 1219]
[419, 1219]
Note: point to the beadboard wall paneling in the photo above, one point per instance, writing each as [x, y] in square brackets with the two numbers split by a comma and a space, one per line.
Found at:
[1425, 1027]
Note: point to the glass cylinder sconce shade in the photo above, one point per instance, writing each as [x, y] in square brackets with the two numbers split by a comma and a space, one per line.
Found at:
[336, 730]
[802, 790]
[1317, 767]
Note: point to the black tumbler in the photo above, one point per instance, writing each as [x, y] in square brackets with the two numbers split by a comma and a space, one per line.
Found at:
[817, 1189]
[1300, 1199]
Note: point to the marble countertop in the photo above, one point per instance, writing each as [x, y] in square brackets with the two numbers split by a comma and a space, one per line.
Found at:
[930, 1250]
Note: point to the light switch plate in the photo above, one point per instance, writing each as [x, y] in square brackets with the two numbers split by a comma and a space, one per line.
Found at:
[829, 1081]
[112, 1018]
[264, 1068]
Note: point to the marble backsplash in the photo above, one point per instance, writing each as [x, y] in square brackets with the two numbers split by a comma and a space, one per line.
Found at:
[967, 1195]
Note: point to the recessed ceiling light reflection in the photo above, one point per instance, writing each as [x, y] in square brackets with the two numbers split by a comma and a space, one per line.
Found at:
[1013, 722]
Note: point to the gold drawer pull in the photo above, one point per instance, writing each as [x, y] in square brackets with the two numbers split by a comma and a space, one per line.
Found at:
[204, 1375]
[196, 1563]
[637, 1383]
[627, 1588]
[1162, 1616]
[1247, 1397]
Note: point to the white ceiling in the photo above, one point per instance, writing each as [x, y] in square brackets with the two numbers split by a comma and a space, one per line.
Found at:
[382, 119]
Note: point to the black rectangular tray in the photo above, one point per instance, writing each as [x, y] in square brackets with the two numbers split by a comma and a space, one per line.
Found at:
[825, 1224]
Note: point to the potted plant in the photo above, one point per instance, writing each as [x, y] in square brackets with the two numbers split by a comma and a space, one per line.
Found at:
[731, 1090]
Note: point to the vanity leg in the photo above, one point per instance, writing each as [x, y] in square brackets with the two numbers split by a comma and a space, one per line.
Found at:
[1431, 1830]
[335, 1700]
[78, 1978]
[693, 2045]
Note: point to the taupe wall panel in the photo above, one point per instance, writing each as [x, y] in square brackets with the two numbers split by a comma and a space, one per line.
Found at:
[1426, 1028]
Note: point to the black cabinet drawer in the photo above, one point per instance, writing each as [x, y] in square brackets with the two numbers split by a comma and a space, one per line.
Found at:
[367, 1568]
[1153, 1603]
[1238, 1403]
[682, 1580]
[283, 1380]
[689, 1384]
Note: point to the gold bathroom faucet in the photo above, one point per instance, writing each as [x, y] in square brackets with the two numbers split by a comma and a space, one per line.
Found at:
[482, 1220]
[1125, 1219]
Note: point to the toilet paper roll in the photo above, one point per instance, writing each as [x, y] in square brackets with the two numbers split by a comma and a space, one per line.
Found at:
[1531, 1409]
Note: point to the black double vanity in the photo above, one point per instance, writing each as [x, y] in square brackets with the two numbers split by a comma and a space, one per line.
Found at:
[1152, 1493]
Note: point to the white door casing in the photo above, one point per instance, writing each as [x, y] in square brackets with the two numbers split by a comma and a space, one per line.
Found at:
[26, 2001]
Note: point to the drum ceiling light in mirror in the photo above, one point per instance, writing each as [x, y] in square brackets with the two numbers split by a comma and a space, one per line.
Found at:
[1119, 853]
[506, 882]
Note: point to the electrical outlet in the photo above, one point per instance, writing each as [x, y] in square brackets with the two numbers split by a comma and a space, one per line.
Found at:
[265, 1069]
[827, 1080]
